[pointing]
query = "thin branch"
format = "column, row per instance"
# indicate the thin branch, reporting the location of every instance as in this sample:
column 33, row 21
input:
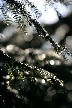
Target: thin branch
column 20, row 8
column 16, row 68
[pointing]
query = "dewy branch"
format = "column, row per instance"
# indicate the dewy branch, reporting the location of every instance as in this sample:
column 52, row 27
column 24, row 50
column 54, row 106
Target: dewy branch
column 20, row 8
column 16, row 68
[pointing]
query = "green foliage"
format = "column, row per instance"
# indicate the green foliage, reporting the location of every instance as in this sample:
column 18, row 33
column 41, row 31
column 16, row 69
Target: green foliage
column 22, row 86
column 19, row 8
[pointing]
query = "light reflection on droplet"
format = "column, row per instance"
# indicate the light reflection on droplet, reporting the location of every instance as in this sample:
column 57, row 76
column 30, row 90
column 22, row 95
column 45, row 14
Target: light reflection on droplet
column 26, row 72
column 62, row 84
column 52, row 62
column 26, row 33
column 43, row 81
column 26, row 51
column 9, row 47
column 41, row 56
column 36, row 79
column 7, row 82
column 28, row 37
column 12, row 77
column 7, row 77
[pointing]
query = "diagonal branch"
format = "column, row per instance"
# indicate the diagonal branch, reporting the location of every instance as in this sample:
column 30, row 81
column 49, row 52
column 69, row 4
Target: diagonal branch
column 20, row 8
column 16, row 68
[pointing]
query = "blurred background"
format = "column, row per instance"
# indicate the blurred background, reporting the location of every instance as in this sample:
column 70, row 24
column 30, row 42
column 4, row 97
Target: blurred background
column 56, row 19
column 26, row 46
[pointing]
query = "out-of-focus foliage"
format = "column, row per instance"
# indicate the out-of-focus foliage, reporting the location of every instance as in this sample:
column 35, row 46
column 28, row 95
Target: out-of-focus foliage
column 32, row 76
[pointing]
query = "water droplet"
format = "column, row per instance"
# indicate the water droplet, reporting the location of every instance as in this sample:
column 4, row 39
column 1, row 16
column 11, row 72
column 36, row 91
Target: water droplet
column 52, row 62
column 7, row 77
column 43, row 81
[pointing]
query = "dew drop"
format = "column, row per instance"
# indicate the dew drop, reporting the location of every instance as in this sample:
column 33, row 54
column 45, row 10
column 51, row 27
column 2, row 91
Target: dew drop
column 52, row 62
column 43, row 81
